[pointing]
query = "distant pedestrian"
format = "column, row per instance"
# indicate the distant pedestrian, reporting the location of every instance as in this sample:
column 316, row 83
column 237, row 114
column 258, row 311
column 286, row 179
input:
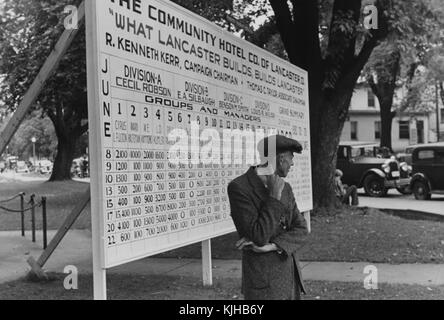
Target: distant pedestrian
column 345, row 193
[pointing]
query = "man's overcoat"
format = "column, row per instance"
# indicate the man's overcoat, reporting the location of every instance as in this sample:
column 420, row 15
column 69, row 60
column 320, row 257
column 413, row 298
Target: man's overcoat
column 263, row 220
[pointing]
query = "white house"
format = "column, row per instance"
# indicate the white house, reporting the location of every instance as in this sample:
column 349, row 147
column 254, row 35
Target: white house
column 434, row 123
column 364, row 122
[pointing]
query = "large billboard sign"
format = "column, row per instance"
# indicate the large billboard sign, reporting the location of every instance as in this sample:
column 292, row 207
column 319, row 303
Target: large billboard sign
column 164, row 82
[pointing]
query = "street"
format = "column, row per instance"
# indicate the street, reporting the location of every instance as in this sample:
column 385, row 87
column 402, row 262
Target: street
column 397, row 201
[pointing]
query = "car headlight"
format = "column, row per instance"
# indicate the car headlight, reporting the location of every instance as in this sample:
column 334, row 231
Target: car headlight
column 386, row 168
column 405, row 167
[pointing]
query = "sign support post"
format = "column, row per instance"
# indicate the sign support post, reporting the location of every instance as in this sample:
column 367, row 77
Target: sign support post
column 99, row 270
column 99, row 282
column 307, row 216
column 207, row 266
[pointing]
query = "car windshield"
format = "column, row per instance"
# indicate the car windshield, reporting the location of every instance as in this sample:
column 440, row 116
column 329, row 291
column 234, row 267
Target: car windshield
column 362, row 152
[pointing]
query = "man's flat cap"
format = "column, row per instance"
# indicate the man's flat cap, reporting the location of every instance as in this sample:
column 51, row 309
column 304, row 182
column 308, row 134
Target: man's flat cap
column 283, row 144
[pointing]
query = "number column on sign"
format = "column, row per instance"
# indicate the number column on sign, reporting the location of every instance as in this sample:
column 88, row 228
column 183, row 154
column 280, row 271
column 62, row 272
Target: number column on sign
column 121, row 173
column 148, row 170
column 135, row 119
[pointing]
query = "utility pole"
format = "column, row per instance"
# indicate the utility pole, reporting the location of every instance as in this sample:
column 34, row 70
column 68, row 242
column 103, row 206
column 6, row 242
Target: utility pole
column 33, row 140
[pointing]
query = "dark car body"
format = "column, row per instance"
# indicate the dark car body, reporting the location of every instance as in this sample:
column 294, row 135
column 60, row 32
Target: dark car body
column 428, row 170
column 406, row 156
column 363, row 168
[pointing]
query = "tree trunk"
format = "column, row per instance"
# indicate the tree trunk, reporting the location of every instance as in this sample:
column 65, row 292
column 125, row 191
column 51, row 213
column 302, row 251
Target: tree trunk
column 386, row 123
column 331, row 119
column 441, row 86
column 384, row 89
column 324, row 166
column 63, row 160
column 68, row 129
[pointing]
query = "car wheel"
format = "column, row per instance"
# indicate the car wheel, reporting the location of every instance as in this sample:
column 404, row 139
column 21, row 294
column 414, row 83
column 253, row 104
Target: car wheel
column 374, row 186
column 404, row 190
column 421, row 191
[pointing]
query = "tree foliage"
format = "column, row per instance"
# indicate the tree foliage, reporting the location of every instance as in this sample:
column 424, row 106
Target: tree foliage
column 395, row 62
column 329, row 40
column 31, row 29
column 40, row 128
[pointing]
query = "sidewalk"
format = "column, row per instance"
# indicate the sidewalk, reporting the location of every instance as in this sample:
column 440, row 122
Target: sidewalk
column 23, row 177
column 396, row 201
column 75, row 250
column 15, row 251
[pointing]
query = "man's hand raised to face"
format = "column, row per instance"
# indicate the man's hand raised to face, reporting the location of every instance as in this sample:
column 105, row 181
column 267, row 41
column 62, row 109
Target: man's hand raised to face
column 276, row 185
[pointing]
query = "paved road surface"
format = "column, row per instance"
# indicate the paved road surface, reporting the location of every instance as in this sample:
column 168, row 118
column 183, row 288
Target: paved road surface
column 395, row 200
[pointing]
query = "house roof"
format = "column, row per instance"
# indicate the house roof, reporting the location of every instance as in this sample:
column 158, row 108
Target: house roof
column 436, row 144
column 377, row 112
column 360, row 112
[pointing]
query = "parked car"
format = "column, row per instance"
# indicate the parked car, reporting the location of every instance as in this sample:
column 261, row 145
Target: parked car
column 363, row 168
column 428, row 170
column 406, row 156
column 382, row 152
column 76, row 171
column 11, row 162
column 2, row 166
column 44, row 166
column 22, row 167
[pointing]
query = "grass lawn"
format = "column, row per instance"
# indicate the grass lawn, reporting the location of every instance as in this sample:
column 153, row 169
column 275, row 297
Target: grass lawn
column 357, row 235
column 61, row 199
column 130, row 287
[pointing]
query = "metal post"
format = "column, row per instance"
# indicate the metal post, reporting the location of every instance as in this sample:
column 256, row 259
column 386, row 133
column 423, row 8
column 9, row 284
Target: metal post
column 307, row 216
column 22, row 209
column 33, row 151
column 207, row 267
column 32, row 202
column 45, row 231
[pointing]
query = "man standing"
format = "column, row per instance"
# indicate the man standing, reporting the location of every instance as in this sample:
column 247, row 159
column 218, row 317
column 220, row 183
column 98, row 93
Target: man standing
column 270, row 226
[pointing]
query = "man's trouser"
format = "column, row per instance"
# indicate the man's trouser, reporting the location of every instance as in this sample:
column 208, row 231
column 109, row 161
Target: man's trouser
column 353, row 193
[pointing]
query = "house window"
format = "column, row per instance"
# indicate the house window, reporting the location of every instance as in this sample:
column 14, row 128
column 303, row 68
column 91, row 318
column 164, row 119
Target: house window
column 354, row 130
column 377, row 129
column 342, row 153
column 371, row 99
column 404, row 130
column 442, row 115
